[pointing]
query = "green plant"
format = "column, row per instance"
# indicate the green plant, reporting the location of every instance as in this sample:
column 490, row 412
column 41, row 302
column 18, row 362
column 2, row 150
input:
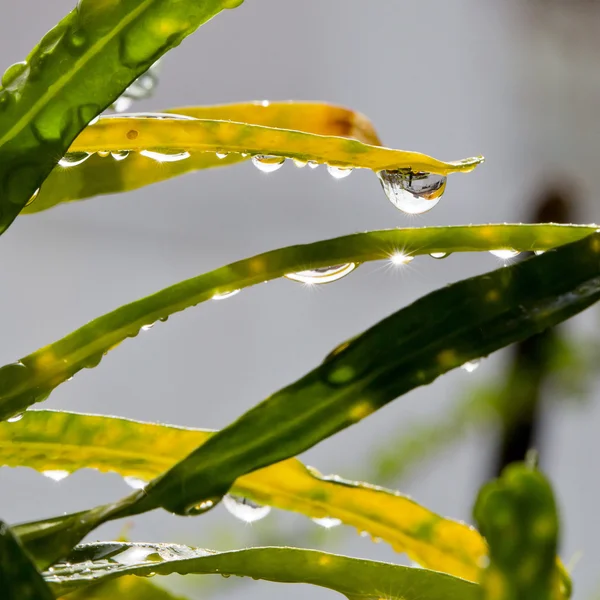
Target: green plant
column 54, row 148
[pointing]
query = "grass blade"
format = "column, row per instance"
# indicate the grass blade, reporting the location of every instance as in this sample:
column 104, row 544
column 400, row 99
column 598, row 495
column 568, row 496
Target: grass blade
column 348, row 576
column 64, row 442
column 105, row 175
column 19, row 579
column 77, row 70
column 33, row 378
column 410, row 348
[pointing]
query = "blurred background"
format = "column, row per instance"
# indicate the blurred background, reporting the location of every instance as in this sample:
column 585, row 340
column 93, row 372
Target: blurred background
column 515, row 80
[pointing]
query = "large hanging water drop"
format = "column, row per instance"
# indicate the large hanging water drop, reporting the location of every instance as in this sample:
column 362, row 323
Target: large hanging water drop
column 440, row 255
column 56, row 475
column 266, row 163
column 322, row 274
column 245, row 509
column 120, row 155
column 328, row 522
column 412, row 193
column 72, row 159
column 166, row 156
column 339, row 172
column 505, row 253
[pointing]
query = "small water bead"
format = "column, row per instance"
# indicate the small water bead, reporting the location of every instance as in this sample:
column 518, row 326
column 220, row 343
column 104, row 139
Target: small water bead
column 33, row 197
column 201, row 507
column 245, row 509
column 322, row 274
column 166, row 156
column 328, row 522
column 412, row 193
column 56, row 475
column 135, row 482
column 222, row 155
column 439, row 255
column 72, row 159
column 120, row 155
column 225, row 295
column 15, row 418
column 470, row 366
column 267, row 163
column 339, row 172
column 312, row 164
column 299, row 163
column 103, row 153
column 539, row 252
column 505, row 253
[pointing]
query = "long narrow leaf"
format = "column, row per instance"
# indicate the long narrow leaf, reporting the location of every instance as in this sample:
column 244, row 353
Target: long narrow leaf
column 410, row 348
column 127, row 171
column 31, row 379
column 59, row 443
column 349, row 576
column 128, row 587
column 77, row 70
column 19, row 579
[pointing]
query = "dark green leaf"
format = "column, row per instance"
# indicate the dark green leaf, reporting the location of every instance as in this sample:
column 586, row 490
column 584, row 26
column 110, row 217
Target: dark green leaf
column 75, row 72
column 19, row 579
column 349, row 576
column 412, row 347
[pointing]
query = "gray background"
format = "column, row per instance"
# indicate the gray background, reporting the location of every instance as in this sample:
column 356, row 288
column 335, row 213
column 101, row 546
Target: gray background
column 451, row 78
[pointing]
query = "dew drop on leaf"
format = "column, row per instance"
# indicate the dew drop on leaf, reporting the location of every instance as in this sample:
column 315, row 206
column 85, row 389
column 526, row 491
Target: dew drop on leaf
column 299, row 163
column 505, row 253
column 440, row 255
column 225, row 295
column 328, row 522
column 221, row 155
column 103, row 153
column 15, row 418
column 33, row 197
column 338, row 172
column 201, row 507
column 470, row 366
column 245, row 509
column 135, row 482
column 56, row 475
column 412, row 193
column 312, row 164
column 539, row 252
column 322, row 274
column 72, row 159
column 173, row 156
column 120, row 155
column 267, row 163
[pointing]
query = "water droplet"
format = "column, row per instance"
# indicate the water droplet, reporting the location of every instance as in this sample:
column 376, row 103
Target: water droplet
column 539, row 252
column 222, row 155
column 267, row 163
column 33, row 197
column 72, row 159
column 150, row 115
column 135, row 482
column 265, row 103
column 412, row 193
column 339, row 172
column 103, row 153
column 505, row 253
column 225, row 295
column 322, row 274
column 120, row 155
column 312, row 164
column 94, row 120
column 299, row 163
column 245, row 509
column 134, row 555
column 201, row 507
column 470, row 366
column 328, row 522
column 399, row 258
column 171, row 156
column 147, row 327
column 15, row 418
column 439, row 255
column 56, row 475
column 122, row 103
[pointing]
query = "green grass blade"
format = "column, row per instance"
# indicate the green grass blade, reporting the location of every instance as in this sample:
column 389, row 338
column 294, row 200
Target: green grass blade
column 51, row 441
column 31, row 379
column 348, row 576
column 128, row 587
column 517, row 514
column 77, row 70
column 410, row 348
column 106, row 175
column 19, row 579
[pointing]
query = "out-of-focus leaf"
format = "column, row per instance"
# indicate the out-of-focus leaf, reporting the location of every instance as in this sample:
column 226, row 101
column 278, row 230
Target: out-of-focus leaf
column 128, row 587
column 517, row 515
column 349, row 576
column 64, row 442
column 19, row 579
column 31, row 379
column 77, row 70
column 128, row 171
column 410, row 348
column 140, row 89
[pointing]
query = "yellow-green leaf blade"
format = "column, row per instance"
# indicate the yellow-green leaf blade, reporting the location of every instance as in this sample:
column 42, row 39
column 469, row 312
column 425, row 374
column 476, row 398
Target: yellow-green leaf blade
column 62, row 441
column 128, row 587
column 106, row 175
column 348, row 576
column 32, row 378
